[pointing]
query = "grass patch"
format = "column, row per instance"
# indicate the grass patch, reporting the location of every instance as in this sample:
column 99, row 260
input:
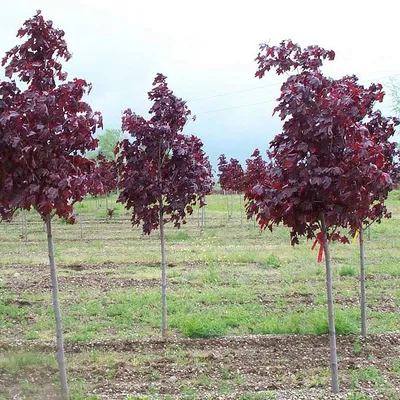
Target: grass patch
column 358, row 396
column 368, row 374
column 179, row 236
column 347, row 270
column 14, row 362
column 257, row 396
column 312, row 322
column 272, row 261
column 203, row 327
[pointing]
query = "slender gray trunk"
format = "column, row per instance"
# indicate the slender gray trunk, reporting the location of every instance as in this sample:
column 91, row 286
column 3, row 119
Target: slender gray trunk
column 227, row 204
column 57, row 312
column 163, row 275
column 241, row 209
column 363, row 299
column 25, row 225
column 331, row 315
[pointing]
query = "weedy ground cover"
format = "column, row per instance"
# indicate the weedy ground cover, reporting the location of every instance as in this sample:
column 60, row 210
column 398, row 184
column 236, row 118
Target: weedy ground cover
column 225, row 278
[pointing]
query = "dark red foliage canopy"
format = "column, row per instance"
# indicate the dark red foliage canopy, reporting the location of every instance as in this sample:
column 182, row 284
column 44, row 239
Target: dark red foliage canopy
column 105, row 174
column 333, row 156
column 256, row 171
column 45, row 129
column 160, row 164
column 230, row 174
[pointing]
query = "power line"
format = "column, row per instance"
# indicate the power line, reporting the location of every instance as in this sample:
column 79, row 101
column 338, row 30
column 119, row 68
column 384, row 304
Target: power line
column 262, row 102
column 267, row 86
column 231, row 108
column 235, row 92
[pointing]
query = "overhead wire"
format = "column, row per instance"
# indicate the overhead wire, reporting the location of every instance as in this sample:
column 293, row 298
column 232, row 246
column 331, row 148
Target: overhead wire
column 235, row 92
column 230, row 108
column 254, row 104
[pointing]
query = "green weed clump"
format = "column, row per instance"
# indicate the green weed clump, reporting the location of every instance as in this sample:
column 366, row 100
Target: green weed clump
column 347, row 270
column 358, row 396
column 27, row 360
column 272, row 261
column 179, row 236
column 257, row 396
column 310, row 323
column 368, row 374
column 201, row 327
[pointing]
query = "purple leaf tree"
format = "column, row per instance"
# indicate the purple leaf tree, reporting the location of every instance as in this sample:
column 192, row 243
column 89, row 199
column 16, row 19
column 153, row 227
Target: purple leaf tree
column 323, row 158
column 230, row 179
column 44, row 132
column 163, row 173
column 105, row 179
column 256, row 171
column 374, row 168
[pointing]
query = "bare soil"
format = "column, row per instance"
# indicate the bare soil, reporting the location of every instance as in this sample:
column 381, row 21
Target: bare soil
column 284, row 365
column 287, row 366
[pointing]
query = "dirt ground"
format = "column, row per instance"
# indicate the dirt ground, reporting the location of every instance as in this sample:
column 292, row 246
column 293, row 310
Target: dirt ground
column 287, row 367
column 243, row 367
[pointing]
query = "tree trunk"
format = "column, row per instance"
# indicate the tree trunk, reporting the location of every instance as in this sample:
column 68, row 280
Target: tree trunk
column 163, row 275
column 24, row 226
column 363, row 301
column 331, row 315
column 227, row 204
column 81, row 226
column 57, row 312
column 241, row 209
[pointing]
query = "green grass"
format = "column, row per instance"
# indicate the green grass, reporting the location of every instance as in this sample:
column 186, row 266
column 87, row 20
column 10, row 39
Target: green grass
column 347, row 270
column 14, row 362
column 358, row 396
column 272, row 261
column 368, row 374
column 257, row 396
column 230, row 279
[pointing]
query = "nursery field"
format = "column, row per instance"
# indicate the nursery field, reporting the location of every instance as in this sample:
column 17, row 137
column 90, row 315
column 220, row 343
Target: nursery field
column 247, row 312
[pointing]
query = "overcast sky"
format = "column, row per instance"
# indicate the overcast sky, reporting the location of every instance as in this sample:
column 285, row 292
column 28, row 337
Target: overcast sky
column 207, row 50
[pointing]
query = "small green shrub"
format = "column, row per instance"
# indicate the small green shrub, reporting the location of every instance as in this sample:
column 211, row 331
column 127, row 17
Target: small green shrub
column 204, row 380
column 354, row 383
column 225, row 373
column 370, row 374
column 396, row 366
column 356, row 347
column 347, row 270
column 272, row 261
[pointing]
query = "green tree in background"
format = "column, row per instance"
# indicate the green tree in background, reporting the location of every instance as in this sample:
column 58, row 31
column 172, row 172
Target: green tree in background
column 394, row 90
column 107, row 141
